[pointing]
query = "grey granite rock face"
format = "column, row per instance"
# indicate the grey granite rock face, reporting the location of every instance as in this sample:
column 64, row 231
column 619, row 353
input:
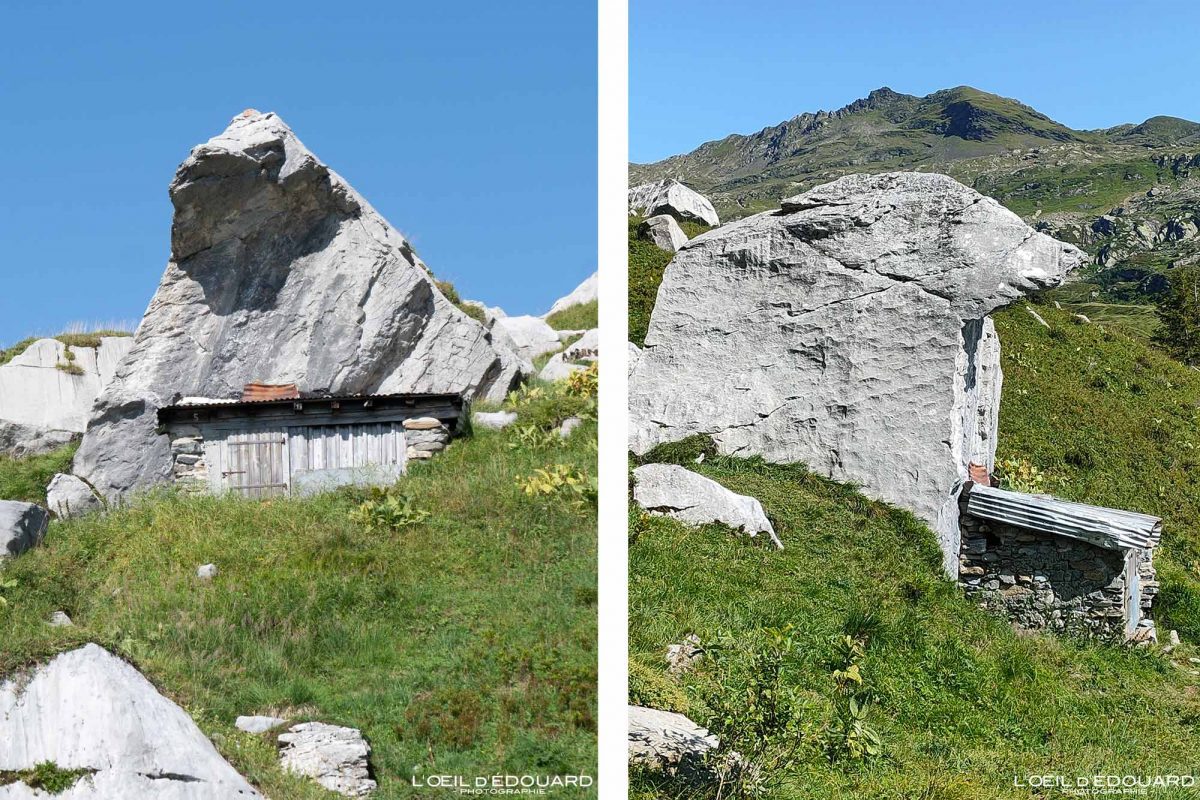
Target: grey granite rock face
column 22, row 526
column 846, row 331
column 333, row 756
column 47, row 392
column 279, row 273
column 663, row 232
column 672, row 197
column 692, row 498
column 88, row 709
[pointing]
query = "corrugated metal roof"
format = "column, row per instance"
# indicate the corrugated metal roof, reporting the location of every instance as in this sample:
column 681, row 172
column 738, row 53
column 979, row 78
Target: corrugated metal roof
column 1103, row 527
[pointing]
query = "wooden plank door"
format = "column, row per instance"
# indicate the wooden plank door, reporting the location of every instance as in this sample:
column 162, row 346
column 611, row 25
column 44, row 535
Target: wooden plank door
column 255, row 464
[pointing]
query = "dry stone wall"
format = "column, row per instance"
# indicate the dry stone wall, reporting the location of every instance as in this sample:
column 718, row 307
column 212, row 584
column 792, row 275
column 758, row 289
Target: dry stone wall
column 1054, row 583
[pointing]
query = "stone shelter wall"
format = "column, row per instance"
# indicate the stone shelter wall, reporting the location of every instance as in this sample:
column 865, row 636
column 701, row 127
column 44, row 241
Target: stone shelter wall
column 1047, row 582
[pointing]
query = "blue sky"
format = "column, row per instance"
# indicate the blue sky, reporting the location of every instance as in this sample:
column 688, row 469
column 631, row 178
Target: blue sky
column 470, row 126
column 700, row 70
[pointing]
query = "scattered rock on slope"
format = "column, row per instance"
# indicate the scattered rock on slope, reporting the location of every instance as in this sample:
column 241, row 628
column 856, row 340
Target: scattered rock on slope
column 668, row 742
column 672, row 197
column 690, row 497
column 527, row 336
column 68, row 496
column 335, row 757
column 47, row 392
column 22, row 526
column 279, row 273
column 663, row 232
column 847, row 331
column 560, row 365
column 89, row 710
column 585, row 292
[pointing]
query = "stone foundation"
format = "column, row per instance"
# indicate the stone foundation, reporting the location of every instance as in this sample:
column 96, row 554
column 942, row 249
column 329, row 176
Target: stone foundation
column 1055, row 583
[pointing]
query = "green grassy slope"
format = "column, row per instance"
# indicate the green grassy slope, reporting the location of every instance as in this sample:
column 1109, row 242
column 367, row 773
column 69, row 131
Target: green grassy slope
column 646, row 266
column 26, row 478
column 582, row 317
column 1113, row 422
column 463, row 644
column 962, row 704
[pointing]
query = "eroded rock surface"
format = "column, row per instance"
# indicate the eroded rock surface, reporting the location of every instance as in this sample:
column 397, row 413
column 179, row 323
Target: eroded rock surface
column 692, row 498
column 47, row 392
column 89, row 710
column 668, row 742
column 333, row 756
column 847, row 331
column 672, row 197
column 279, row 273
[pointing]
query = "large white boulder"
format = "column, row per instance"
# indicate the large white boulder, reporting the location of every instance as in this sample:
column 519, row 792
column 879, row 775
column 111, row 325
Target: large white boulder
column 527, row 336
column 585, row 292
column 280, row 272
column 47, row 392
column 333, row 756
column 22, row 526
column 89, row 710
column 672, row 197
column 847, row 331
column 692, row 498
column 663, row 232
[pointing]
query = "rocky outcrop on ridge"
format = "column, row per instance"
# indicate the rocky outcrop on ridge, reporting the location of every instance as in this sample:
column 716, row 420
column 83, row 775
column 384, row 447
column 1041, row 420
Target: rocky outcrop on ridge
column 585, row 292
column 90, row 711
column 847, row 331
column 692, row 498
column 672, row 197
column 47, row 392
column 279, row 273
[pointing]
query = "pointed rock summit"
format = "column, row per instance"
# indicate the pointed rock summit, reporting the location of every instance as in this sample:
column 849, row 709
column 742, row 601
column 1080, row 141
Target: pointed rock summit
column 280, row 272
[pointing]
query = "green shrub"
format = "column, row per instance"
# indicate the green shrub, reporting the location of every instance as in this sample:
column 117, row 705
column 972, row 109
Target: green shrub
column 470, row 309
column 653, row 688
column 684, row 452
column 388, row 508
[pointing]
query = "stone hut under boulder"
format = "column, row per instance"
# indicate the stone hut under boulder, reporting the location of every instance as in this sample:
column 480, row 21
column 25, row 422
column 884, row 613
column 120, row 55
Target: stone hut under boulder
column 1050, row 564
column 280, row 272
column 304, row 444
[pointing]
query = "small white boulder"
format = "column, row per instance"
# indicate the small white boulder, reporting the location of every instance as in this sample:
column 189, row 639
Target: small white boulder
column 692, row 498
column 206, row 572
column 333, row 756
column 258, row 724
column 493, row 420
